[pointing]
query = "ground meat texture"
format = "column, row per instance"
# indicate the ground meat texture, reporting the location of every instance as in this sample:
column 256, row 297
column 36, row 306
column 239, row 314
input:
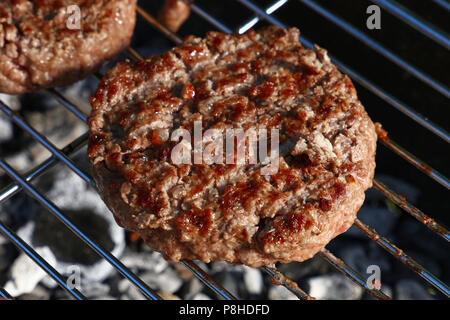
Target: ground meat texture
column 234, row 213
column 41, row 47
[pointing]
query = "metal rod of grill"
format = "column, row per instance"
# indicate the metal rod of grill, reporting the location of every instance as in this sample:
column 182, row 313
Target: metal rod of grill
column 401, row 201
column 419, row 164
column 172, row 36
column 404, row 258
column 415, row 22
column 352, row 274
column 279, row 278
column 434, row 174
column 23, row 246
column 133, row 54
column 147, row 291
column 377, row 47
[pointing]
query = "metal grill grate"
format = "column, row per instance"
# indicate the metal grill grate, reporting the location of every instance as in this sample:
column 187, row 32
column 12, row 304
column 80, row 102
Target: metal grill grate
column 23, row 182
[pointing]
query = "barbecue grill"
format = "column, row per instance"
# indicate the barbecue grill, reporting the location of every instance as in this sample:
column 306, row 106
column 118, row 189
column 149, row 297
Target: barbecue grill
column 22, row 182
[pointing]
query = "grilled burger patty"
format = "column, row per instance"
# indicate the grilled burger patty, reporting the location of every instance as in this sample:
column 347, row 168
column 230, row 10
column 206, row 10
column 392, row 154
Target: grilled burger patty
column 41, row 45
column 263, row 79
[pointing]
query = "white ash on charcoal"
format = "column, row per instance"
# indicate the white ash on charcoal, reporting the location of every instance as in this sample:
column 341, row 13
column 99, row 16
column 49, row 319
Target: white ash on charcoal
column 334, row 287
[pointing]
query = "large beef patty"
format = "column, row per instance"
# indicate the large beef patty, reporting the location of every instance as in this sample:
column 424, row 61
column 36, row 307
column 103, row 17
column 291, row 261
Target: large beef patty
column 233, row 212
column 53, row 43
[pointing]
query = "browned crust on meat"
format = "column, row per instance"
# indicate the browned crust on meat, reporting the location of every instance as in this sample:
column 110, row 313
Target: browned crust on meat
column 231, row 212
column 174, row 13
column 38, row 50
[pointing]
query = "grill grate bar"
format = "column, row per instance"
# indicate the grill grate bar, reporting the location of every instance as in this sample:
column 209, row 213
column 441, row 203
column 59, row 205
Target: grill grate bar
column 415, row 22
column 419, row 164
column 404, row 258
column 44, row 141
column 392, row 145
column 440, row 132
column 377, row 47
column 4, row 295
column 207, row 280
column 14, row 187
column 197, row 271
column 352, row 274
column 400, row 106
column 133, row 54
column 23, row 246
column 412, row 210
column 148, row 292
column 67, row 104
column 150, row 19
column 279, row 278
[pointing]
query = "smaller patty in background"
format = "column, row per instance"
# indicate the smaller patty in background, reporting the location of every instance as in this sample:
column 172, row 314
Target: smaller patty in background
column 46, row 44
